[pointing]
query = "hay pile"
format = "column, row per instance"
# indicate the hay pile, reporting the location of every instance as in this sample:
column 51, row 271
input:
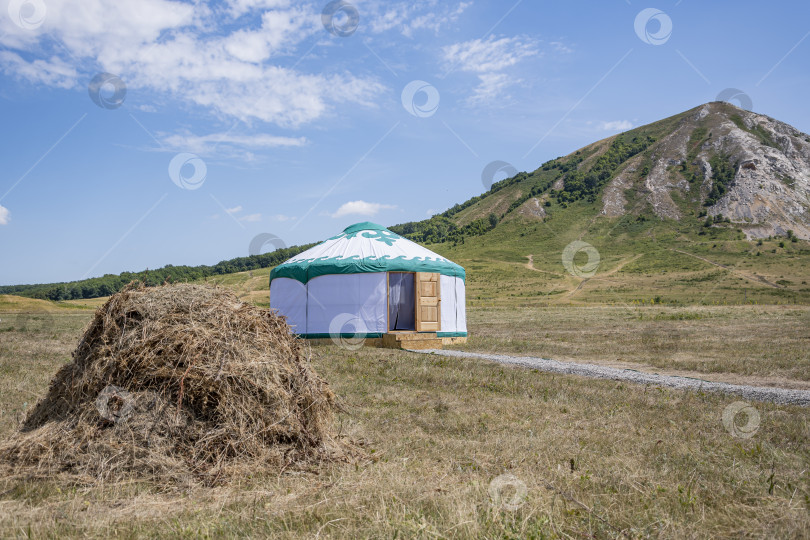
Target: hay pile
column 181, row 382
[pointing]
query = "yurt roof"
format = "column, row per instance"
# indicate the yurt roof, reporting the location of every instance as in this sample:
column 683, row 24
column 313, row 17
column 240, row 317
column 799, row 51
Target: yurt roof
column 362, row 248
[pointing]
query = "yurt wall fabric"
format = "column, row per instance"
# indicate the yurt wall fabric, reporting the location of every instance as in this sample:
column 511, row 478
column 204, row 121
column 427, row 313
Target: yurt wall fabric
column 363, row 296
column 453, row 307
column 289, row 297
column 461, row 307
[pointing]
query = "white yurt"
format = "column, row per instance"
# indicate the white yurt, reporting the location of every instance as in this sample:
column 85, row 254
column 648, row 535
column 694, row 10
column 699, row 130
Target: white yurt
column 368, row 281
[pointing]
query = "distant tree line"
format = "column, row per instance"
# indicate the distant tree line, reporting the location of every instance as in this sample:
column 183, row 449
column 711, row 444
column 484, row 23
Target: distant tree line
column 111, row 284
column 587, row 185
column 537, row 189
column 579, row 184
column 440, row 229
column 496, row 187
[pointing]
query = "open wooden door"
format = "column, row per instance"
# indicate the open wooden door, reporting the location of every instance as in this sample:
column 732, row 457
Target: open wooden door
column 428, row 302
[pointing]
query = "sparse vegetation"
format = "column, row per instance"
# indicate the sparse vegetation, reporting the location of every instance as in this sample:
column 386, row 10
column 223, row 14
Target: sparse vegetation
column 689, row 168
column 787, row 180
column 723, row 173
column 761, row 133
column 587, row 184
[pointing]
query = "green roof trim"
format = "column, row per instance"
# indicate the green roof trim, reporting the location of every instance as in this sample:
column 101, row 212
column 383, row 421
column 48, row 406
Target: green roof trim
column 306, row 269
column 364, row 226
column 371, row 231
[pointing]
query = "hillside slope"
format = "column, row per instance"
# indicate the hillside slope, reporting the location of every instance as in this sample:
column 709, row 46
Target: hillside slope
column 766, row 186
column 713, row 160
column 707, row 206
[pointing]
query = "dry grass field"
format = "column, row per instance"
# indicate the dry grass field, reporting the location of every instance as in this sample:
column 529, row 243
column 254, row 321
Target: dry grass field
column 587, row 458
column 760, row 345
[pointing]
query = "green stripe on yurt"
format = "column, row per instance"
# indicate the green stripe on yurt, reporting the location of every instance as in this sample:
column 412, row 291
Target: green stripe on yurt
column 305, row 270
column 451, row 334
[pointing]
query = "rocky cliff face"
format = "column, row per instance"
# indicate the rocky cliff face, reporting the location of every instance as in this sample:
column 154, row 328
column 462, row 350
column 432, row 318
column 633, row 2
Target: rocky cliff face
column 749, row 167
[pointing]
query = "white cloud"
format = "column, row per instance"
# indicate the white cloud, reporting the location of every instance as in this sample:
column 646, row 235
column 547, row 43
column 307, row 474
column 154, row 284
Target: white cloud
column 5, row 215
column 234, row 210
column 282, row 217
column 617, row 125
column 491, row 86
column 488, row 58
column 251, row 218
column 227, row 143
column 561, row 47
column 51, row 72
column 361, row 208
column 240, row 7
column 191, row 52
column 408, row 17
column 487, row 55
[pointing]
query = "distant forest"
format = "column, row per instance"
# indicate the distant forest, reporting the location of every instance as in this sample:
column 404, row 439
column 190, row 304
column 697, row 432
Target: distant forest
column 441, row 228
column 110, row 284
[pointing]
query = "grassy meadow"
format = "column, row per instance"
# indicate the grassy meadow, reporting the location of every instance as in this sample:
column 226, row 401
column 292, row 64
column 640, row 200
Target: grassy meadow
column 638, row 261
column 461, row 448
column 759, row 345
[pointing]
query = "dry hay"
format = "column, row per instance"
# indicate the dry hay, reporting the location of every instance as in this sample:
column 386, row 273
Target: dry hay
column 180, row 382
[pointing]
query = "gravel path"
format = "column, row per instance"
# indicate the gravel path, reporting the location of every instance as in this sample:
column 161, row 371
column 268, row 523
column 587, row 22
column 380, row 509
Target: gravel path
column 754, row 393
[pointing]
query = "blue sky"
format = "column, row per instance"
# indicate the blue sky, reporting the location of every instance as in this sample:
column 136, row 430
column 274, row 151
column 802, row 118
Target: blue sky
column 214, row 122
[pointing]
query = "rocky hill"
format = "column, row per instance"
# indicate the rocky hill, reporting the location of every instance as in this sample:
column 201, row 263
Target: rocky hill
column 739, row 169
column 767, row 192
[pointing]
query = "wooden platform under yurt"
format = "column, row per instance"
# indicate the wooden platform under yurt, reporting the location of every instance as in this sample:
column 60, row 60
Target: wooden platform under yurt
column 416, row 341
